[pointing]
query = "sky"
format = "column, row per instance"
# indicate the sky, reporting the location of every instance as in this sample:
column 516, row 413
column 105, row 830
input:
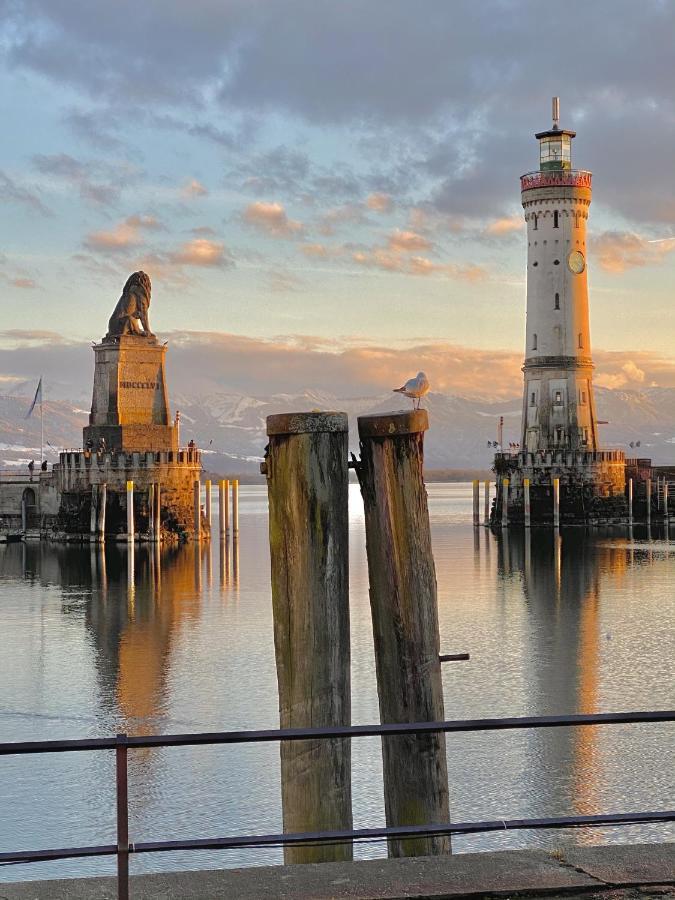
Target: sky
column 328, row 194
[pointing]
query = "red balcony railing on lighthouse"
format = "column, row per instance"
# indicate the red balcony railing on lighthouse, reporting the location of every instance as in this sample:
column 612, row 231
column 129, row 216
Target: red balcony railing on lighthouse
column 551, row 178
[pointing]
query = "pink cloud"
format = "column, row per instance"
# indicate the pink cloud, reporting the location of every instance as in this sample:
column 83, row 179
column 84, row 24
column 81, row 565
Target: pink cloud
column 380, row 203
column 194, row 188
column 271, row 219
column 617, row 251
column 408, row 242
column 201, row 252
column 505, row 226
column 125, row 235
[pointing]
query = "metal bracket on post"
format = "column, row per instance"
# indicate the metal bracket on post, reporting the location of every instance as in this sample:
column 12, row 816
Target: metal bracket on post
column 121, row 781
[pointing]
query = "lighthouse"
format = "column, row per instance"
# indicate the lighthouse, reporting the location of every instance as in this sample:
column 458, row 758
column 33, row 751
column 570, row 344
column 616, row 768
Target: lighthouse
column 559, row 474
column 558, row 402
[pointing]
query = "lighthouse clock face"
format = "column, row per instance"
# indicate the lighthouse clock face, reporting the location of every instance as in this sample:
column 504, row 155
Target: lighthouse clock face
column 576, row 262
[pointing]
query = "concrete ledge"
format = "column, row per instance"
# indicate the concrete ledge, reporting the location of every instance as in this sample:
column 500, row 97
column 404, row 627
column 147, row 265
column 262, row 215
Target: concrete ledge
column 591, row 870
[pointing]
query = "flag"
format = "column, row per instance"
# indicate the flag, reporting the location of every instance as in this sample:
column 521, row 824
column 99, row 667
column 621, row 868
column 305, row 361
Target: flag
column 36, row 399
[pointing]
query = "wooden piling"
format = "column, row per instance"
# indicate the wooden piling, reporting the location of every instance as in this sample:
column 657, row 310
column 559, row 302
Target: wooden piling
column 486, row 520
column 307, row 479
column 130, row 510
column 157, row 512
column 151, row 512
column 235, row 507
column 556, row 503
column 207, row 505
column 476, row 503
column 197, row 509
column 526, row 494
column 223, row 507
column 505, row 503
column 630, row 501
column 405, row 623
column 648, row 491
column 94, row 513
column 102, row 503
column 666, row 513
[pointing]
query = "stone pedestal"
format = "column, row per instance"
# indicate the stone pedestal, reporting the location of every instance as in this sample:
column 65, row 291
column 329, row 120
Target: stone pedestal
column 130, row 407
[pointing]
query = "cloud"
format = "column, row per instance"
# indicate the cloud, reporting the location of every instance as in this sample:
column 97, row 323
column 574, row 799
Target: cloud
column 271, row 219
column 194, row 188
column 124, row 236
column 381, row 203
column 332, row 220
column 28, row 283
column 98, row 182
column 408, row 241
column 201, row 252
column 617, row 251
column 506, row 225
column 320, row 251
column 11, row 192
column 628, row 373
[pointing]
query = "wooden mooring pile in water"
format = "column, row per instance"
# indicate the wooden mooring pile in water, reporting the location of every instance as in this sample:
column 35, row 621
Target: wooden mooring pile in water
column 308, row 476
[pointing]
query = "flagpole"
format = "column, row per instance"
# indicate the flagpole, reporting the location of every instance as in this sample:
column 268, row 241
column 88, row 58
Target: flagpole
column 42, row 427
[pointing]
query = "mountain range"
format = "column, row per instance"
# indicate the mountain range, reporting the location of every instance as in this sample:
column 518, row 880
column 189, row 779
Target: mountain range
column 230, row 426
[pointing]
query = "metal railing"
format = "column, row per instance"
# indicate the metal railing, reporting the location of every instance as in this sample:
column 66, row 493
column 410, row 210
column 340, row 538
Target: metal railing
column 122, row 743
column 556, row 178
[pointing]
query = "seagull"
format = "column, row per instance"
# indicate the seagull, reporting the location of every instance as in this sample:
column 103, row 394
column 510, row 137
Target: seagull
column 415, row 388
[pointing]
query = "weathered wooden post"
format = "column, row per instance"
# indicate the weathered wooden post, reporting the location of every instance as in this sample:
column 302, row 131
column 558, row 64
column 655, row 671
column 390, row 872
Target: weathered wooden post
column 630, row 501
column 102, row 502
column 235, row 507
column 207, row 505
column 151, row 512
column 130, row 510
column 307, row 481
column 197, row 509
column 666, row 512
column 157, row 512
column 95, row 513
column 223, row 508
column 505, row 503
column 476, row 503
column 405, row 623
column 526, row 494
column 556, row 503
column 648, row 491
column 487, row 504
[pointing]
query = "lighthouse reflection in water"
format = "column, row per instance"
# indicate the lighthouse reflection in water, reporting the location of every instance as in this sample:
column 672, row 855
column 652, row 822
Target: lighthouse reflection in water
column 95, row 642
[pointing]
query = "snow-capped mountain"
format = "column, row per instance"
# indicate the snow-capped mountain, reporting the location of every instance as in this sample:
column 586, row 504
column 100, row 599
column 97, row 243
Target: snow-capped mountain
column 231, row 426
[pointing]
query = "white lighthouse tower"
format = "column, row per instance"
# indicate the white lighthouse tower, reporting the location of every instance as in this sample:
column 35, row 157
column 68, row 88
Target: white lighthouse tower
column 559, row 455
column 558, row 402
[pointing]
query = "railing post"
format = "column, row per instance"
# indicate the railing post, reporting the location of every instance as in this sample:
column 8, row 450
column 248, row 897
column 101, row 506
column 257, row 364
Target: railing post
column 487, row 504
column 121, row 779
column 130, row 511
column 648, row 490
column 207, row 504
column 505, row 503
column 630, row 501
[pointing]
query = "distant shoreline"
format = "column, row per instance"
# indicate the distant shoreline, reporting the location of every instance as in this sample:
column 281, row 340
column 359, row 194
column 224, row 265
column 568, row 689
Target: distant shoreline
column 438, row 476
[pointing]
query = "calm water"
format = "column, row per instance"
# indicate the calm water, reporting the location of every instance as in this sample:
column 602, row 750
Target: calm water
column 182, row 641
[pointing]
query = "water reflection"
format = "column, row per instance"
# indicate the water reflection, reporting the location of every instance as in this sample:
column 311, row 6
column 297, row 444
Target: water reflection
column 100, row 639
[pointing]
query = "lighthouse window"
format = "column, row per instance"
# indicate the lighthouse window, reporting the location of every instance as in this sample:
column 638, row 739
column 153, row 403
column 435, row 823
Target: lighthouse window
column 557, row 301
column 582, row 397
column 581, row 341
column 556, row 262
column 558, row 397
column 559, row 434
column 534, row 341
column 555, row 219
column 533, row 399
column 534, row 220
column 585, row 435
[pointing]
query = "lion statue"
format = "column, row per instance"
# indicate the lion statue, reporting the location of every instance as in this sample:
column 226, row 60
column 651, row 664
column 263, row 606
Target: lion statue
column 132, row 308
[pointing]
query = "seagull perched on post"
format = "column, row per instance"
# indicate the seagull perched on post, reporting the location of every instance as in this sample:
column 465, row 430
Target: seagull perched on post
column 415, row 388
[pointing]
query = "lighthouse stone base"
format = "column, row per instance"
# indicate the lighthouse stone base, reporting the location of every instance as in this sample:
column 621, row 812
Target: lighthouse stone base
column 592, row 487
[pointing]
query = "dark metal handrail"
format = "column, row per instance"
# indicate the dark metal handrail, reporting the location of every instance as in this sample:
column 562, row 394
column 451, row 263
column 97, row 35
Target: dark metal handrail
column 122, row 743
